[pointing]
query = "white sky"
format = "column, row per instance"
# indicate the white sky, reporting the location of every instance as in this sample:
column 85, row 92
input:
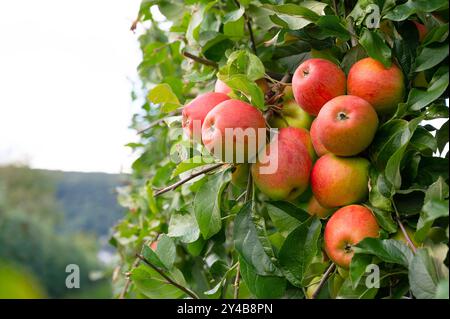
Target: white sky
column 66, row 72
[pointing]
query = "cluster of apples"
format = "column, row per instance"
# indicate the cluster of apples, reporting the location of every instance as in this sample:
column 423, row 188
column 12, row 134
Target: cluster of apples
column 326, row 121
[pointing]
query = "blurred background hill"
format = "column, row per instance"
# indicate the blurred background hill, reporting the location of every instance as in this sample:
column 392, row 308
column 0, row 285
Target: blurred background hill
column 49, row 219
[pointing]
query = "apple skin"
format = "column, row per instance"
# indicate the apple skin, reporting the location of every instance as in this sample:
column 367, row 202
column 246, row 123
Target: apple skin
column 154, row 245
column 317, row 144
column 239, row 175
column 346, row 125
column 315, row 209
column 197, row 109
column 291, row 177
column 382, row 87
column 347, row 227
column 291, row 115
column 315, row 82
column 421, row 29
column 233, row 114
column 221, row 87
column 338, row 181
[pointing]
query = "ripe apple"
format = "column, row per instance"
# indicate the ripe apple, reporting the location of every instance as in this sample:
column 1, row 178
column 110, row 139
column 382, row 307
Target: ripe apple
column 382, row 87
column 291, row 115
column 318, row 145
column 346, row 228
column 239, row 175
column 346, row 125
column 154, row 245
column 338, row 181
column 221, row 86
column 234, row 131
column 292, row 165
column 314, row 208
column 315, row 82
column 196, row 110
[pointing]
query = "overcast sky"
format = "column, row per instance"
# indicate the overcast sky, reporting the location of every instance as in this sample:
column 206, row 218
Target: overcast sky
column 66, row 72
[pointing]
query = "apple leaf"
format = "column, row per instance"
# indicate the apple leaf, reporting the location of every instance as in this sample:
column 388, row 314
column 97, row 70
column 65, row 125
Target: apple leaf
column 299, row 249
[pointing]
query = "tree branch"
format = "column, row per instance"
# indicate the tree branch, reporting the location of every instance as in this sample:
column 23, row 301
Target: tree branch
column 184, row 180
column 167, row 278
column 323, row 280
column 200, row 60
column 128, row 280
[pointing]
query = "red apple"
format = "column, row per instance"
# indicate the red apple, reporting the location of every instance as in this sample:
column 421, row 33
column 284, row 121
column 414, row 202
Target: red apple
column 292, row 165
column 234, row 131
column 346, row 125
column 338, row 181
column 315, row 82
column 346, row 228
column 382, row 87
column 194, row 113
column 318, row 145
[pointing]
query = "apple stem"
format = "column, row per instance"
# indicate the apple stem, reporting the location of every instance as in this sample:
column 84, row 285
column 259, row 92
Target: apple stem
column 167, row 278
column 184, row 180
column 200, row 60
column 322, row 282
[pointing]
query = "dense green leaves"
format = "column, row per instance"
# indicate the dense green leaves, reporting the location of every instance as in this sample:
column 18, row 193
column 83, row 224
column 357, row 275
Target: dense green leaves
column 211, row 225
column 249, row 244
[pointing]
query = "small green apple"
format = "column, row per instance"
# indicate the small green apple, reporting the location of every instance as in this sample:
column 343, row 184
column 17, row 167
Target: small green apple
column 291, row 115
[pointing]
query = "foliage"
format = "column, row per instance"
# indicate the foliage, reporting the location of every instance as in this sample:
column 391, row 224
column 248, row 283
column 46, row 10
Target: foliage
column 276, row 246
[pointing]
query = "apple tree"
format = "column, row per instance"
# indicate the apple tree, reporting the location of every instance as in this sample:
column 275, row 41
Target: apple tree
column 191, row 232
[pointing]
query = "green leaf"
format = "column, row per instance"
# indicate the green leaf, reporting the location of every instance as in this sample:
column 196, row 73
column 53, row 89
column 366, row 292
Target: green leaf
column 163, row 95
column 286, row 216
column 388, row 250
column 295, row 16
column 234, row 16
column 242, row 62
column 384, row 219
column 430, row 57
column 266, row 287
column 150, row 283
column 234, row 30
column 152, row 257
column 423, row 141
column 417, row 99
column 403, row 11
column 437, row 34
column 352, row 56
column 207, row 204
column 442, row 290
column 435, row 206
column 358, row 268
column 425, row 274
column 392, row 170
column 442, row 136
column 360, row 292
column 189, row 164
column 183, row 226
column 248, row 243
column 249, row 89
column 166, row 251
column 331, row 26
column 376, row 47
column 299, row 249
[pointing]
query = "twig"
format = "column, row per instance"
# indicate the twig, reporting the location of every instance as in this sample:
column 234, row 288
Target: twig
column 128, row 280
column 167, row 278
column 182, row 181
column 323, row 280
column 249, row 28
column 237, row 281
column 135, row 22
column 400, row 224
column 158, row 121
column 200, row 60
